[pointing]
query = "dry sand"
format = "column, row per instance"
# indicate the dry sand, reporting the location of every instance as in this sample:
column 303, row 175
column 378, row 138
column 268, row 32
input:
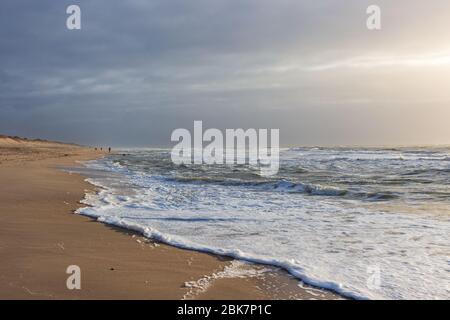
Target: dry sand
column 40, row 237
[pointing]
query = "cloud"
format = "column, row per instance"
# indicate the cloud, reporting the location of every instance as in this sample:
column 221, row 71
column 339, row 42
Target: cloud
column 138, row 69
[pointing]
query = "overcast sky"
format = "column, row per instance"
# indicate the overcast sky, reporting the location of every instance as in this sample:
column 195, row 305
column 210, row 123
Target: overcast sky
column 139, row 69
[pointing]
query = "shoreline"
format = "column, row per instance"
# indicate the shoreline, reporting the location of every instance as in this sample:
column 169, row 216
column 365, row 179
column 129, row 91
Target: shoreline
column 41, row 236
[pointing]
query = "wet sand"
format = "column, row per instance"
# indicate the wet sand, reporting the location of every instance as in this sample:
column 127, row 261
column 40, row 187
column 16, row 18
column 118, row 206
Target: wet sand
column 40, row 237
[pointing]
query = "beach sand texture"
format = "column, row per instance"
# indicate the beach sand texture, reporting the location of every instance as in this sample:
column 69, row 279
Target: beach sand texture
column 40, row 237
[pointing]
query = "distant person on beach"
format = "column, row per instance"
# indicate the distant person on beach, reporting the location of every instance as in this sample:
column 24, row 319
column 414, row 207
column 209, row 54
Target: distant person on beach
column 109, row 149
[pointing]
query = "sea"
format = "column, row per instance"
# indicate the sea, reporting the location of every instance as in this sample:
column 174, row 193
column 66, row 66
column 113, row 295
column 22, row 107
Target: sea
column 367, row 223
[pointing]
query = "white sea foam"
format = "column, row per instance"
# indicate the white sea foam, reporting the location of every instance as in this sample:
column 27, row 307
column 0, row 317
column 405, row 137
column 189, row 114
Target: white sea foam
column 180, row 242
column 236, row 269
column 326, row 239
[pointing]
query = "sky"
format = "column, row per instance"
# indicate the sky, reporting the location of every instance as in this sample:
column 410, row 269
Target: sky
column 138, row 69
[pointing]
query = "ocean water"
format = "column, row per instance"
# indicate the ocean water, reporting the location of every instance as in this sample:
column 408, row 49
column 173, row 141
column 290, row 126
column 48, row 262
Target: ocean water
column 366, row 223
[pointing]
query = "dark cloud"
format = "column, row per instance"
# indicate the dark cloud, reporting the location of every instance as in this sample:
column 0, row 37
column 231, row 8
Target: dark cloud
column 138, row 69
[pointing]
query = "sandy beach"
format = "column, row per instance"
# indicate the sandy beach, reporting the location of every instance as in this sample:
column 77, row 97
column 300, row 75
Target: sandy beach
column 40, row 237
